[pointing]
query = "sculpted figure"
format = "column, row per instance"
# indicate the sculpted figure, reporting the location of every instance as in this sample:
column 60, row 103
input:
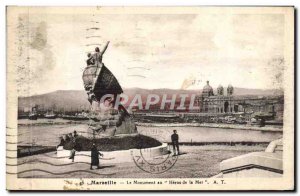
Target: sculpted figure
column 98, row 55
column 90, row 61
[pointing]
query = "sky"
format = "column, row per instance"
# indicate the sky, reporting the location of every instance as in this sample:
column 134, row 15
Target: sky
column 151, row 50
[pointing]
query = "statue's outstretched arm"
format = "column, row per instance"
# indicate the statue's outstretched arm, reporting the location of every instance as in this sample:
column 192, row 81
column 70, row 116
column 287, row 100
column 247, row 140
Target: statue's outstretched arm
column 105, row 47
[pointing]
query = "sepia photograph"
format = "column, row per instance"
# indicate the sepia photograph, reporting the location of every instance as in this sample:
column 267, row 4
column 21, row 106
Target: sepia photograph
column 150, row 98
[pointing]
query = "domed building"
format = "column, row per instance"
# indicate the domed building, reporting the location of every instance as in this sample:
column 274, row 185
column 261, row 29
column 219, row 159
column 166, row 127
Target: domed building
column 221, row 104
column 220, row 90
column 207, row 90
column 229, row 90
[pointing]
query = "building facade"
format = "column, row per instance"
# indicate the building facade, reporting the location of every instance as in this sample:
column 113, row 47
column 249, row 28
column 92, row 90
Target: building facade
column 221, row 103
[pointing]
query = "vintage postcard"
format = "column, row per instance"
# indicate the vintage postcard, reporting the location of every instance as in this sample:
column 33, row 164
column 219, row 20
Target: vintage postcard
column 150, row 98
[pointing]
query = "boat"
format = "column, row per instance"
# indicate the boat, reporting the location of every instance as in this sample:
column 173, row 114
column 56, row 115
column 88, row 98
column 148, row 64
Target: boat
column 75, row 117
column 161, row 118
column 22, row 116
column 33, row 115
column 162, row 115
column 100, row 81
column 263, row 115
column 274, row 122
column 50, row 115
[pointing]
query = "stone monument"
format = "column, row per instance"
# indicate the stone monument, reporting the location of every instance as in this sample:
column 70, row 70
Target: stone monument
column 111, row 127
column 108, row 117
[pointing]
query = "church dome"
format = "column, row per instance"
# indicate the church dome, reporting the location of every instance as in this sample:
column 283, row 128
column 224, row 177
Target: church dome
column 220, row 90
column 229, row 89
column 207, row 90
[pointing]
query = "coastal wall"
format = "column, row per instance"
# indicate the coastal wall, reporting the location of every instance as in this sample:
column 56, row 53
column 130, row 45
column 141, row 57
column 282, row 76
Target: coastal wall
column 214, row 125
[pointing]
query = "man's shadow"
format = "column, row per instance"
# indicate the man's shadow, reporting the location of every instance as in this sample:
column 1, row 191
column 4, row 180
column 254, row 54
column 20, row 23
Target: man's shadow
column 106, row 166
column 181, row 153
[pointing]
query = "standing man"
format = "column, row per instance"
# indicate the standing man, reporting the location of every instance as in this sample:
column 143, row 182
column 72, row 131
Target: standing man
column 72, row 153
column 95, row 157
column 62, row 142
column 175, row 139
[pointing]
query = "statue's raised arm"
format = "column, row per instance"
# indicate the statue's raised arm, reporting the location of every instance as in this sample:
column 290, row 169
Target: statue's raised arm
column 98, row 55
column 105, row 47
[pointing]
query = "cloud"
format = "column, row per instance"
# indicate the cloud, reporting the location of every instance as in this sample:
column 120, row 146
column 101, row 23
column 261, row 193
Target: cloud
column 222, row 48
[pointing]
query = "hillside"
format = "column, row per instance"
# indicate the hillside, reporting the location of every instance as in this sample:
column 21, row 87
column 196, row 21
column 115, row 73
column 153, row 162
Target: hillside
column 77, row 99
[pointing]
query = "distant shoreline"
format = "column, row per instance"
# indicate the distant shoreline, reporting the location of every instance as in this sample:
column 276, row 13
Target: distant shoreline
column 209, row 125
column 213, row 125
column 51, row 122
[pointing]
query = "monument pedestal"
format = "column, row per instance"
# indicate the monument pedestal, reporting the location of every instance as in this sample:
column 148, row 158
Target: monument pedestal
column 118, row 156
